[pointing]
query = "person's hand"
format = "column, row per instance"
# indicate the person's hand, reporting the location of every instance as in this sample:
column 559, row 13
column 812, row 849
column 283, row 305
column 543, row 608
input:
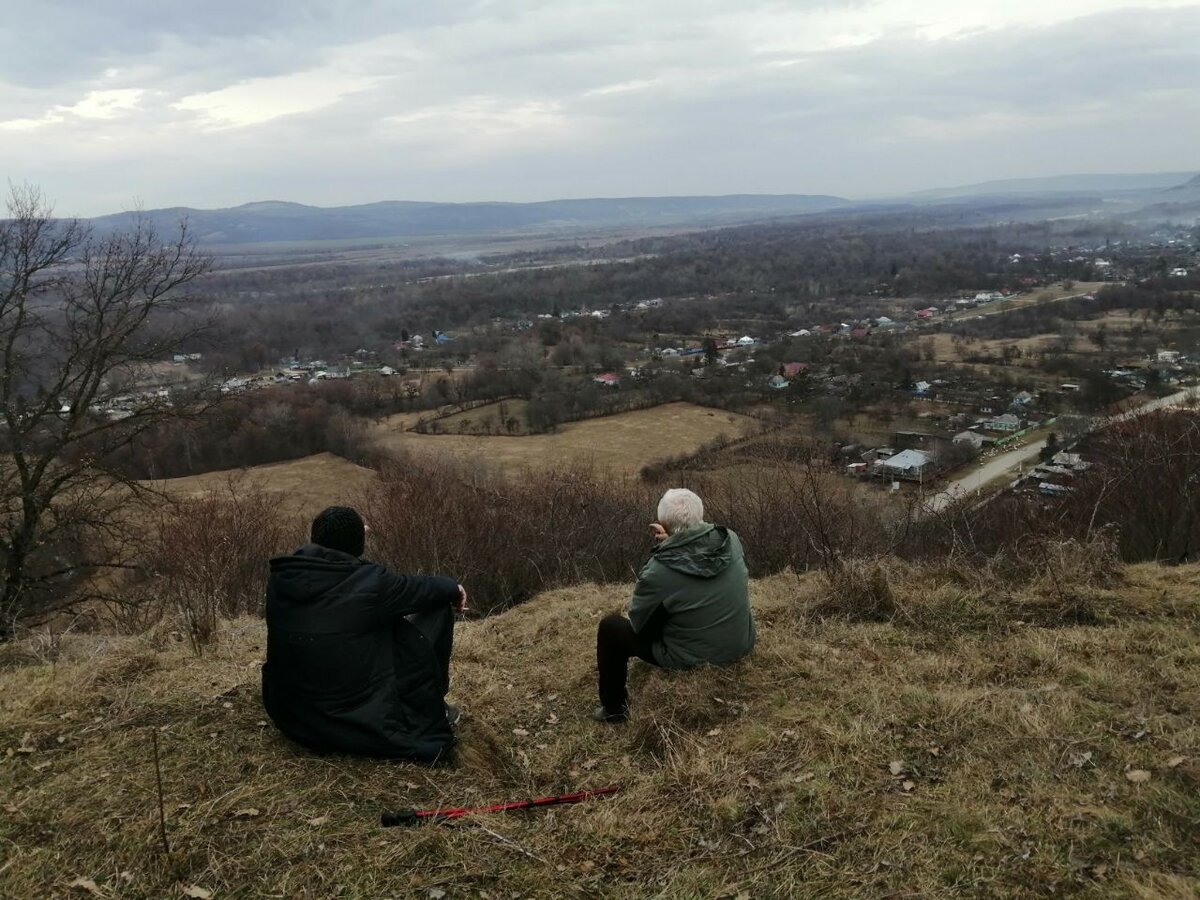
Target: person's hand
column 462, row 600
column 658, row 533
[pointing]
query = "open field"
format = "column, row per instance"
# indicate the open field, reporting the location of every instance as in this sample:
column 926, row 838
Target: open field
column 622, row 443
column 492, row 417
column 984, row 743
column 304, row 486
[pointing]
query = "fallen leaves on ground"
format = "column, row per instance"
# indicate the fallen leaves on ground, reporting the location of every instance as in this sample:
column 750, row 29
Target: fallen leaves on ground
column 196, row 892
column 248, row 813
column 1138, row 776
column 85, row 884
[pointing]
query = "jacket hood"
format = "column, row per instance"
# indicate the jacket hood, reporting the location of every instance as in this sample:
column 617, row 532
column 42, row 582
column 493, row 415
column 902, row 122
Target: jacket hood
column 311, row 570
column 704, row 552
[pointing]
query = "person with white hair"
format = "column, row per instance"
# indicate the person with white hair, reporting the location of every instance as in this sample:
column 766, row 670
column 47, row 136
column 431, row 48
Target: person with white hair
column 690, row 607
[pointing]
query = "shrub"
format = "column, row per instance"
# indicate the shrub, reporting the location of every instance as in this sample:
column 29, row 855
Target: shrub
column 207, row 557
column 857, row 590
column 508, row 539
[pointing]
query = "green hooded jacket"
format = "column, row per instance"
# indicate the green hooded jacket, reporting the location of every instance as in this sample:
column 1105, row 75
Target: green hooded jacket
column 695, row 588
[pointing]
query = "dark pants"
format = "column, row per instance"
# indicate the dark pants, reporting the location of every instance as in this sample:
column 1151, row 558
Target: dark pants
column 438, row 627
column 616, row 644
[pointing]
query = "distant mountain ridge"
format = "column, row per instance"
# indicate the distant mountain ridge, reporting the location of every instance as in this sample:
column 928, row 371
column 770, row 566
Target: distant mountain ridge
column 1072, row 184
column 1190, row 185
column 278, row 221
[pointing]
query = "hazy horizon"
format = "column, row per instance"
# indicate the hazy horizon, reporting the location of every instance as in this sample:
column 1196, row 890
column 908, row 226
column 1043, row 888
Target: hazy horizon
column 124, row 102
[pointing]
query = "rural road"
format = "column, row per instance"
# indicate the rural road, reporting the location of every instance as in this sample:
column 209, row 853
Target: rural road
column 1006, row 462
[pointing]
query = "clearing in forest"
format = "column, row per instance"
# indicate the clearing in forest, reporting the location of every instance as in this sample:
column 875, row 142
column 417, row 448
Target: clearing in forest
column 620, row 443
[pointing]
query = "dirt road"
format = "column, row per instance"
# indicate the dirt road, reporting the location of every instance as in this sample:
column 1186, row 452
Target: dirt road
column 974, row 482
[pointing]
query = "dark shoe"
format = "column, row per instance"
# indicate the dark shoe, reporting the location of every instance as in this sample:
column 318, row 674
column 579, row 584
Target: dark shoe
column 453, row 715
column 601, row 714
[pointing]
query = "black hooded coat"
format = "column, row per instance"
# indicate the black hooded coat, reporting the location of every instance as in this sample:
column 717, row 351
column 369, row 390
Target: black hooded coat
column 345, row 671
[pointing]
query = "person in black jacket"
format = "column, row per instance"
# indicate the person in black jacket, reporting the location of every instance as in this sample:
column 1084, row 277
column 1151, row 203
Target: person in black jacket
column 358, row 657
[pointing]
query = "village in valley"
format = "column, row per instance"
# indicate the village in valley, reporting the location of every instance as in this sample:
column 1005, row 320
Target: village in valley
column 904, row 390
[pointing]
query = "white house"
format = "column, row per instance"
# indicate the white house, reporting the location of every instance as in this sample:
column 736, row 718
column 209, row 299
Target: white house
column 912, row 465
column 1006, row 422
column 973, row 439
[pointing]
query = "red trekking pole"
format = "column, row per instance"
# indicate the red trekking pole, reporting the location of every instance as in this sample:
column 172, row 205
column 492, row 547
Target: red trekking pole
column 419, row 816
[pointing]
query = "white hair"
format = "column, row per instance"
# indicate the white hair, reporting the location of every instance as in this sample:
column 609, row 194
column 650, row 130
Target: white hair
column 680, row 508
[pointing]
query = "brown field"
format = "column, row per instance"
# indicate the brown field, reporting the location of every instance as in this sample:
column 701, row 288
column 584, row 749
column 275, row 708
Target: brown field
column 947, row 351
column 622, row 443
column 304, row 486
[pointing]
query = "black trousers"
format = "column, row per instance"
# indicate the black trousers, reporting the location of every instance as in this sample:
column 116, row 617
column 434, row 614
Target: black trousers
column 438, row 627
column 616, row 644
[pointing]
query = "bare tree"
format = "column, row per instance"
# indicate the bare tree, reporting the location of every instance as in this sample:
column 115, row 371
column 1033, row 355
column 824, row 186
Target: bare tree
column 82, row 318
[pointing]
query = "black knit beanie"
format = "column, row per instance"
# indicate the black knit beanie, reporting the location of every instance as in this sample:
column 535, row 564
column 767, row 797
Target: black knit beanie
column 340, row 528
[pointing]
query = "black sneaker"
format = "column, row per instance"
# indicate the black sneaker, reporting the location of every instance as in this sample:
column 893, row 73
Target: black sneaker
column 453, row 715
column 601, row 714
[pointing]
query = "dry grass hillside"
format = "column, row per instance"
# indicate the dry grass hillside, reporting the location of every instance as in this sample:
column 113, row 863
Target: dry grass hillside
column 303, row 486
column 980, row 741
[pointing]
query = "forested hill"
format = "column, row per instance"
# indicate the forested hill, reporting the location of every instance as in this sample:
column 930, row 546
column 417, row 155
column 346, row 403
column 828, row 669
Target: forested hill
column 280, row 221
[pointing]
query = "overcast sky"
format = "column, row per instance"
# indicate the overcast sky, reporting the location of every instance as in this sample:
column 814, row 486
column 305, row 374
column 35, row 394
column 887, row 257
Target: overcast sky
column 107, row 103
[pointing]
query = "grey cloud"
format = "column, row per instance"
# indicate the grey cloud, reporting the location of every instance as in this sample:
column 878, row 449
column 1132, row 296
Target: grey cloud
column 699, row 111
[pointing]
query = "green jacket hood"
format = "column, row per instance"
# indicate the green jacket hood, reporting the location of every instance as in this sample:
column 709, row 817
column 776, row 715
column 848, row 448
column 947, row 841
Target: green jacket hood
column 704, row 551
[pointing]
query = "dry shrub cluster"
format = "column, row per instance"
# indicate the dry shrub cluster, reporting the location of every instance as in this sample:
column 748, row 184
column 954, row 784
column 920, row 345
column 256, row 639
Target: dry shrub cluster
column 507, row 539
column 858, row 590
column 510, row 538
column 1142, row 491
column 802, row 516
column 1050, row 583
column 205, row 560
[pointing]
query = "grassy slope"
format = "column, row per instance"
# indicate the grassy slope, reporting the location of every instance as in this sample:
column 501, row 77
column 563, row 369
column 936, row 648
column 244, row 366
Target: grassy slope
column 620, row 443
column 304, row 486
column 771, row 778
